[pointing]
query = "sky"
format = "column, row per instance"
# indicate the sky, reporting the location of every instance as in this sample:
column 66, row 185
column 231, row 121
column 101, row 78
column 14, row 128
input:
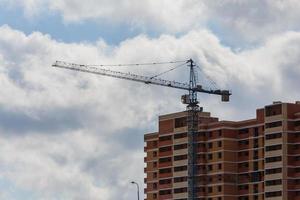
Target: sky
column 68, row 135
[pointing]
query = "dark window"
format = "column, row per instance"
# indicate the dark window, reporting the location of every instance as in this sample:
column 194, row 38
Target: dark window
column 255, row 131
column 165, row 192
column 181, row 168
column 243, row 187
column 180, row 179
column 180, row 135
column 243, row 142
column 273, row 171
column 273, row 110
column 273, row 136
column 297, row 123
column 164, row 149
column 273, row 159
column 219, row 133
column 244, row 131
column 181, row 157
column 274, row 182
column 180, row 190
column 165, row 171
column 219, row 154
column 165, row 181
column 219, row 188
column 209, row 145
column 164, row 160
column 180, row 146
column 274, row 147
column 209, row 156
column 219, row 166
column 219, row 143
column 180, row 122
column 165, row 138
column 274, row 124
column 273, row 194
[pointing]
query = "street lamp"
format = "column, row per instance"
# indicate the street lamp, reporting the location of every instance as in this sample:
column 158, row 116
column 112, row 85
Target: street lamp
column 138, row 189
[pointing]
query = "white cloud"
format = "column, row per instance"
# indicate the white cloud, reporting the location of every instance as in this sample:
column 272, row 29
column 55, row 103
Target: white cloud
column 80, row 135
column 234, row 20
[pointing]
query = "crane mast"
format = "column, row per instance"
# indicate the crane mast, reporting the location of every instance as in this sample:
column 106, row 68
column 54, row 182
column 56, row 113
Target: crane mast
column 189, row 99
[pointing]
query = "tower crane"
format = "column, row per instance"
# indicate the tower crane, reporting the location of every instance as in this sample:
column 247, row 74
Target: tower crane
column 189, row 99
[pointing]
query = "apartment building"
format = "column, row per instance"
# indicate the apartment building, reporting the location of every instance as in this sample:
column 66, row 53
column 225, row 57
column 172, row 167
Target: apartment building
column 253, row 159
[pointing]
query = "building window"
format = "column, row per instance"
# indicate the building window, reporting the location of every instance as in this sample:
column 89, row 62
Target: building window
column 274, row 124
column 209, row 145
column 165, row 149
column 244, row 131
column 219, row 154
column 219, row 166
column 243, row 142
column 165, row 181
column 180, row 190
column 180, row 135
column 220, row 133
column 273, row 194
column 274, row 182
column 243, row 187
column 255, row 132
column 210, row 190
column 274, row 171
column 154, row 196
column 180, row 179
column 165, row 171
column 273, row 110
column 180, row 146
column 219, row 188
column 181, row 168
column 180, row 122
column 181, row 157
column 274, row 147
column 209, row 156
column 209, row 167
column 164, row 160
column 165, row 138
column 219, row 143
column 165, row 192
column 273, row 159
column 273, row 136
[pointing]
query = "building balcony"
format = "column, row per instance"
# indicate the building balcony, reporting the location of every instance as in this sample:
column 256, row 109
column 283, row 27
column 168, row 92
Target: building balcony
column 181, row 140
column 180, row 163
column 273, row 188
column 180, row 195
column 180, row 184
column 273, row 153
column 273, row 118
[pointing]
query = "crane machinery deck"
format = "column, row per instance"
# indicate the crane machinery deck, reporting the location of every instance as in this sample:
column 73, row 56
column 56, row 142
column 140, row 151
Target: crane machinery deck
column 189, row 99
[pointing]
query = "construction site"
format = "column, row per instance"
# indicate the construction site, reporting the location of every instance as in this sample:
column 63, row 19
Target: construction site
column 196, row 156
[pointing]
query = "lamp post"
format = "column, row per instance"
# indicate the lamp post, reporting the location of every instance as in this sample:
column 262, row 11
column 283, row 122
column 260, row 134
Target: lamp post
column 138, row 189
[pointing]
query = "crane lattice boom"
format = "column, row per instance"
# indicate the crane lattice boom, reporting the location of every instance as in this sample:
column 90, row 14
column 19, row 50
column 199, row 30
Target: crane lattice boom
column 138, row 78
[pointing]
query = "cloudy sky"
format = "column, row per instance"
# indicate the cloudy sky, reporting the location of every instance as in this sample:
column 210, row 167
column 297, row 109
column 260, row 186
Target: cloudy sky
column 67, row 135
